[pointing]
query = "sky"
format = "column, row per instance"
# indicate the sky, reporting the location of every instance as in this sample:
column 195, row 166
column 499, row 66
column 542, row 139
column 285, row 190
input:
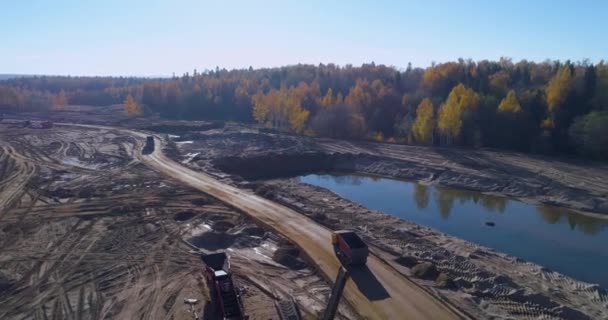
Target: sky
column 157, row 38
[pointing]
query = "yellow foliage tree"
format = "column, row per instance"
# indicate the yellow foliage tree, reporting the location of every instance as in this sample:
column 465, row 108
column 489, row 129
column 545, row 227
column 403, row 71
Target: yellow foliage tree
column 328, row 99
column 130, row 106
column 452, row 111
column 359, row 95
column 510, row 103
column 425, row 123
column 558, row 88
column 260, row 108
column 280, row 109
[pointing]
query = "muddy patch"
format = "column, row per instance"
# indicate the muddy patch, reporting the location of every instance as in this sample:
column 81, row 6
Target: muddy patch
column 213, row 240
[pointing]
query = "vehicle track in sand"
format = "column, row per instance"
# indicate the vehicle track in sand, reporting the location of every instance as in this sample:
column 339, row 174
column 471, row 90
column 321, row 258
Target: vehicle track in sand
column 376, row 292
column 12, row 187
column 64, row 255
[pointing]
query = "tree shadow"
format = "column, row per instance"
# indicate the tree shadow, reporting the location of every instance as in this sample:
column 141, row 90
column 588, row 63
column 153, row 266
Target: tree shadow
column 367, row 283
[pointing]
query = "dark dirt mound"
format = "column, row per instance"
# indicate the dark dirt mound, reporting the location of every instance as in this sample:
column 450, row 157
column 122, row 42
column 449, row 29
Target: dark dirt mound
column 288, row 255
column 407, row 261
column 444, row 281
column 184, row 215
column 425, row 270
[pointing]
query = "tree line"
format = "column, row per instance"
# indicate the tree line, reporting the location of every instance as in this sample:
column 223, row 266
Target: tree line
column 546, row 107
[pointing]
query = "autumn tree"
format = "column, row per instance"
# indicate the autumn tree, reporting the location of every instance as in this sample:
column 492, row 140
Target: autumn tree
column 359, row 96
column 461, row 102
column 328, row 99
column 510, row 103
column 438, row 79
column 424, row 125
column 280, row 109
column 130, row 106
column 556, row 93
column 367, row 101
column 510, row 115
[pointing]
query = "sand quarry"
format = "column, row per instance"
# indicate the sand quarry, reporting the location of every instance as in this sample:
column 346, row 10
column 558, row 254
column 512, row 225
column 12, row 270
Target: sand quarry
column 89, row 231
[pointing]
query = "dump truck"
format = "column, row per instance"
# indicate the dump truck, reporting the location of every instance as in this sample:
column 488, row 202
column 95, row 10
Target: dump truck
column 349, row 248
column 224, row 296
column 149, row 146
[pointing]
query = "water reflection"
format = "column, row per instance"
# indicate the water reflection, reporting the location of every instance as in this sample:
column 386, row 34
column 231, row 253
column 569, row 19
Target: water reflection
column 587, row 225
column 421, row 196
column 350, row 180
column 445, row 198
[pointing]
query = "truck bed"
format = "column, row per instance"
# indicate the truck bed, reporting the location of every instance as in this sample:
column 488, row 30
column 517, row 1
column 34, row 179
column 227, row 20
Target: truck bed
column 353, row 241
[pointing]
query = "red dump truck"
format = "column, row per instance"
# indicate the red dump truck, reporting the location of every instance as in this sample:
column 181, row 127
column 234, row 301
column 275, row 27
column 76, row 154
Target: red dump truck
column 349, row 248
column 224, row 297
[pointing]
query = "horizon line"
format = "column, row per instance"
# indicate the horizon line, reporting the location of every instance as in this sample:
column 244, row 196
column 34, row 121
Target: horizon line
column 208, row 70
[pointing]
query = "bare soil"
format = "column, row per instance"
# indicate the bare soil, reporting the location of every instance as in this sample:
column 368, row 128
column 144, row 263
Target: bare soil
column 89, row 232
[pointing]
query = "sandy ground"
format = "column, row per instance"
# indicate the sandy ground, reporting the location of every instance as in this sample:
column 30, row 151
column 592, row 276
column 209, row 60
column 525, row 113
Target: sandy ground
column 89, row 232
column 485, row 283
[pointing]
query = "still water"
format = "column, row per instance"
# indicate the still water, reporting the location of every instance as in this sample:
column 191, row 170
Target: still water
column 564, row 241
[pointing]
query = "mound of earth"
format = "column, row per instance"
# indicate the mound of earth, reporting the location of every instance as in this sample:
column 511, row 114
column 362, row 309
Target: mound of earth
column 425, row 270
column 288, row 255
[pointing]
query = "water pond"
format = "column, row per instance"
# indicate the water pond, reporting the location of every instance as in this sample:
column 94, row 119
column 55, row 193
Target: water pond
column 562, row 240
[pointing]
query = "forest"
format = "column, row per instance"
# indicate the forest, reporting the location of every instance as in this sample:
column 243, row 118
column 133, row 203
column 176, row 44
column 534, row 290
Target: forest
column 549, row 107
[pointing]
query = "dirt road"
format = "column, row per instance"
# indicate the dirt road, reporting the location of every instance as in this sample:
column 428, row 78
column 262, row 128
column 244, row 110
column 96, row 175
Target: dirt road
column 377, row 292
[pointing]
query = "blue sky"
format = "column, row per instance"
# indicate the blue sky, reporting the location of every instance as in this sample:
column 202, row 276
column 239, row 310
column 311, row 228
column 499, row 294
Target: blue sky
column 113, row 37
